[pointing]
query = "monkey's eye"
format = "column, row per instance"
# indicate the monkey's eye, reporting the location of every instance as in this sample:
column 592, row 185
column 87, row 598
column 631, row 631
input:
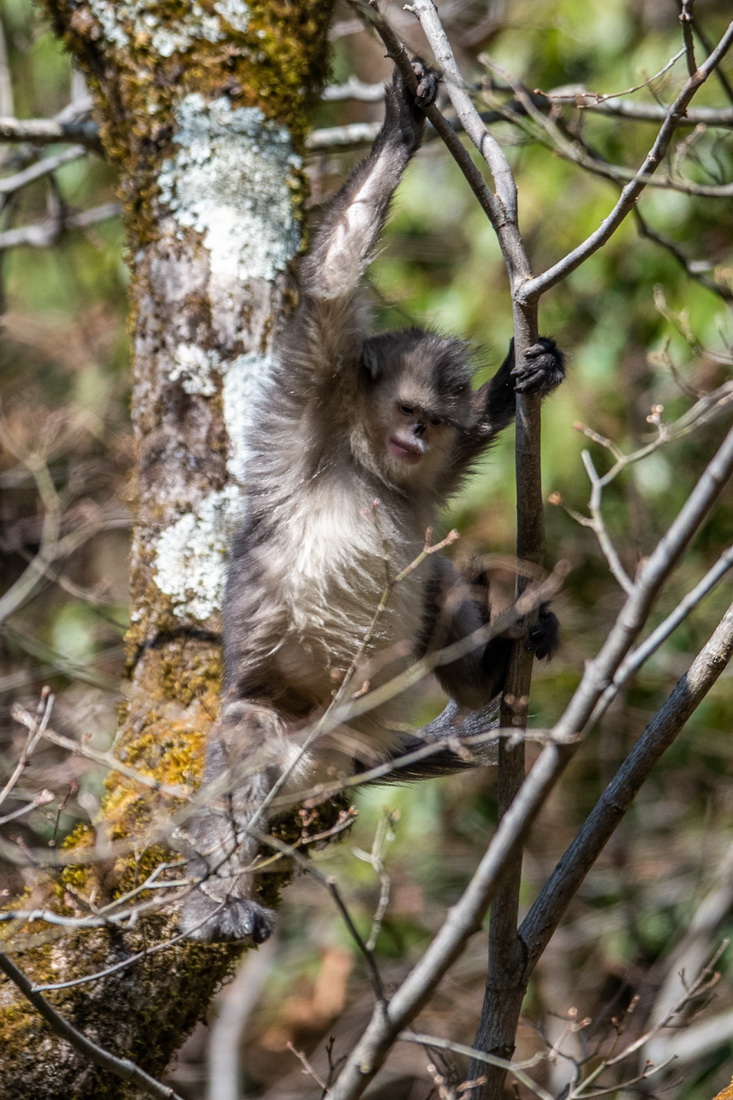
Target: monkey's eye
column 407, row 410
column 436, row 421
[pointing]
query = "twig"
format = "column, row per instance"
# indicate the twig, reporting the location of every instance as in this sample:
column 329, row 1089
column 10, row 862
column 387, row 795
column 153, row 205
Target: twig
column 308, row 1068
column 120, row 1067
column 481, row 1056
column 46, row 131
column 36, row 727
column 655, row 112
column 630, row 193
column 599, row 527
column 694, row 270
column 546, row 912
column 397, row 52
column 354, row 89
column 228, row 1028
column 40, row 168
column 687, row 22
column 638, row 656
column 648, row 583
column 106, row 759
column 47, row 233
column 382, row 838
column 584, row 97
column 41, row 799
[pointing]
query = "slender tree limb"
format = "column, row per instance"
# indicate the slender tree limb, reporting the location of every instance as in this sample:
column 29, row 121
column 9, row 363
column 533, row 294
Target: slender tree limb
column 363, row 133
column 497, row 1029
column 686, row 19
column 119, row 1067
column 399, row 55
column 50, row 131
column 354, row 89
column 545, row 914
column 583, row 708
column 47, row 233
column 652, row 112
column 40, row 168
column 700, row 274
column 637, row 657
column 504, row 183
column 227, row 1031
column 485, row 1059
column 568, row 145
column 630, row 193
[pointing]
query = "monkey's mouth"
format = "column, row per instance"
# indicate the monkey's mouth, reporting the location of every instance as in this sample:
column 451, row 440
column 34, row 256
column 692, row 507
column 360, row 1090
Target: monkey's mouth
column 408, row 452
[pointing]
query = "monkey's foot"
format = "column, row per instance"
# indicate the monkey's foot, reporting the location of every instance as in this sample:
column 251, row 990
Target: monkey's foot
column 544, row 637
column 542, row 370
column 226, row 920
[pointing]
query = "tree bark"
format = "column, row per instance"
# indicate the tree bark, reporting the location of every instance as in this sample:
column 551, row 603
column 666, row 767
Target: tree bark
column 203, row 108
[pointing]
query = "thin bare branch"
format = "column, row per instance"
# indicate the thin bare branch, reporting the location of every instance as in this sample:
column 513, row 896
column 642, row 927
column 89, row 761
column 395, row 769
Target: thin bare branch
column 703, row 273
column 630, row 193
column 516, row 1070
column 44, row 234
column 236, row 1006
column 399, row 55
column 687, row 22
column 41, row 168
column 36, row 726
column 47, row 131
column 354, row 89
column 561, row 887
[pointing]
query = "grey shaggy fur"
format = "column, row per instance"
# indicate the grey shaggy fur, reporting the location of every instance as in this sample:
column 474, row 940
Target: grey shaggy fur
column 359, row 440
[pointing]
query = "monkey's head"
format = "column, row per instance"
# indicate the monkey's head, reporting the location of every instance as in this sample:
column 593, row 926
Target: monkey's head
column 417, row 391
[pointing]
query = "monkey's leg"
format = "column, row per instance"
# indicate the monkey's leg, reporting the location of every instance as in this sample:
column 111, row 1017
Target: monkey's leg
column 458, row 609
column 245, row 756
column 454, row 610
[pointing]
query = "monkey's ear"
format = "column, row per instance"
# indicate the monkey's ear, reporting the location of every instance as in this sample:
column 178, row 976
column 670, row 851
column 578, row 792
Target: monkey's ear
column 370, row 362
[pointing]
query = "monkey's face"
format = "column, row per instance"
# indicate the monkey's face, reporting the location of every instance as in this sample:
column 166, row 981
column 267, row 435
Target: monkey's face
column 417, row 390
column 412, row 437
column 413, row 433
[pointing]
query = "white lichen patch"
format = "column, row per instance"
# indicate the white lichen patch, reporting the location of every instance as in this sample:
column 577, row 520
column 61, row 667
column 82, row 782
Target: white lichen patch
column 195, row 368
column 190, row 564
column 244, row 381
column 229, row 181
column 170, row 32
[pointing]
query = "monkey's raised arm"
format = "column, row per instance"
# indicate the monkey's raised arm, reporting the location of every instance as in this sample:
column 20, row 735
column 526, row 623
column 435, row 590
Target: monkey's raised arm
column 329, row 323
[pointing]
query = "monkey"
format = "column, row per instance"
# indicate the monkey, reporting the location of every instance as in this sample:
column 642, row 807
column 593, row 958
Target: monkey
column 360, row 440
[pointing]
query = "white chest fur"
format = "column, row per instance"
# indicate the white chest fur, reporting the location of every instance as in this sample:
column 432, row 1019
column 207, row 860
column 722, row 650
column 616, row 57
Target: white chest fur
column 337, row 559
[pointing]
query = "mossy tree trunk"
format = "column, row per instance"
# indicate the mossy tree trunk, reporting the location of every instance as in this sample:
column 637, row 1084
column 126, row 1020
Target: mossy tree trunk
column 203, row 107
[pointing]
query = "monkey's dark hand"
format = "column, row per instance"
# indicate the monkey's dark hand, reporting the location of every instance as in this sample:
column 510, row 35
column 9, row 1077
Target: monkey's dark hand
column 544, row 637
column 542, row 369
column 405, row 118
column 427, row 83
column 210, row 920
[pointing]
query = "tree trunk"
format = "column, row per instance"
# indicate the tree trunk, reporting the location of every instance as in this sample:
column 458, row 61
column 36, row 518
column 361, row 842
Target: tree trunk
column 203, row 108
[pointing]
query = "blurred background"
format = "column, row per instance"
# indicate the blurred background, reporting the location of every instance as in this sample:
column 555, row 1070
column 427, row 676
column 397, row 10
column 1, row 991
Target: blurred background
column 645, row 322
